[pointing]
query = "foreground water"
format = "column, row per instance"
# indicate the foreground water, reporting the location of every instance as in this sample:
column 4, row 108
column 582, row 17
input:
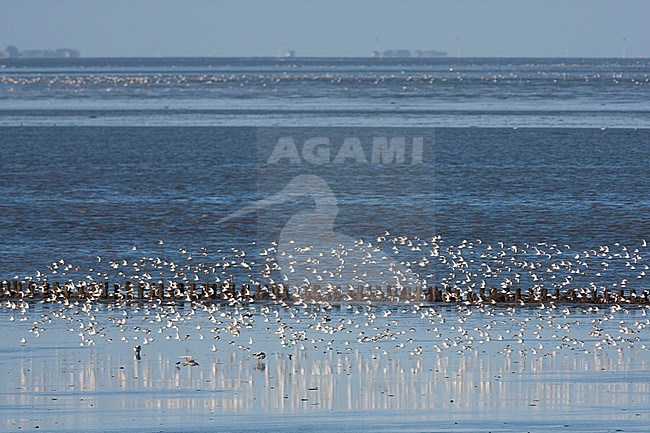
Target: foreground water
column 409, row 368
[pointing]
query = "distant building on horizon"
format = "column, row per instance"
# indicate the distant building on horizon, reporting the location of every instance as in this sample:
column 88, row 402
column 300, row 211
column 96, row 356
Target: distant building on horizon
column 11, row 52
column 403, row 53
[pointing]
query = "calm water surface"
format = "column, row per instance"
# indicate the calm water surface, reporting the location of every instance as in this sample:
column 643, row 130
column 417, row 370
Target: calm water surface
column 467, row 376
column 123, row 159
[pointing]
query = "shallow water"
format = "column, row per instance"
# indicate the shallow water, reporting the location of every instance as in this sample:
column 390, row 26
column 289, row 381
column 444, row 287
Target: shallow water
column 586, row 93
column 327, row 379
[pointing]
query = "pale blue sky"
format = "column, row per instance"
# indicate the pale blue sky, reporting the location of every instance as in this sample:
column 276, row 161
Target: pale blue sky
column 504, row 28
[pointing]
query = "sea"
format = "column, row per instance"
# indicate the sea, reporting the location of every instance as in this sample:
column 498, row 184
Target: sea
column 107, row 163
column 100, row 155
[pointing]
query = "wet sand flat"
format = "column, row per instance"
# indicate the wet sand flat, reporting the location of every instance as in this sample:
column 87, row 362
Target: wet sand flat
column 407, row 381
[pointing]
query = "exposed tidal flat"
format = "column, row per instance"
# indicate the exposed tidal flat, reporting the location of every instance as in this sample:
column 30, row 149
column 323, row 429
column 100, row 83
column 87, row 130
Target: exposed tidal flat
column 349, row 367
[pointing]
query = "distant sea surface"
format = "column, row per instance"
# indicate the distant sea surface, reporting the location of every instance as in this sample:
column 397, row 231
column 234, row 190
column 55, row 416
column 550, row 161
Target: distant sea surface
column 100, row 155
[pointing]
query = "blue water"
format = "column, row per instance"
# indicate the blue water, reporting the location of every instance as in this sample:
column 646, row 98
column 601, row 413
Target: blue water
column 100, row 155
column 531, row 174
column 308, row 92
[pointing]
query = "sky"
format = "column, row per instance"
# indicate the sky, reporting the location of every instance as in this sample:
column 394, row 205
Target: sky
column 471, row 28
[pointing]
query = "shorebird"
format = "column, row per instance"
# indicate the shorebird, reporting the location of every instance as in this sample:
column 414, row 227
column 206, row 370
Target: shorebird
column 137, row 351
column 189, row 361
column 259, row 356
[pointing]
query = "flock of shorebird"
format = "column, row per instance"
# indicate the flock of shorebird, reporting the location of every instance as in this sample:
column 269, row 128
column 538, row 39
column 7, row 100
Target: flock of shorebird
column 467, row 266
column 304, row 323
column 203, row 81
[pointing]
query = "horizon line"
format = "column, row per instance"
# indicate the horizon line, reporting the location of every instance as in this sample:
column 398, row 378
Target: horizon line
column 317, row 57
